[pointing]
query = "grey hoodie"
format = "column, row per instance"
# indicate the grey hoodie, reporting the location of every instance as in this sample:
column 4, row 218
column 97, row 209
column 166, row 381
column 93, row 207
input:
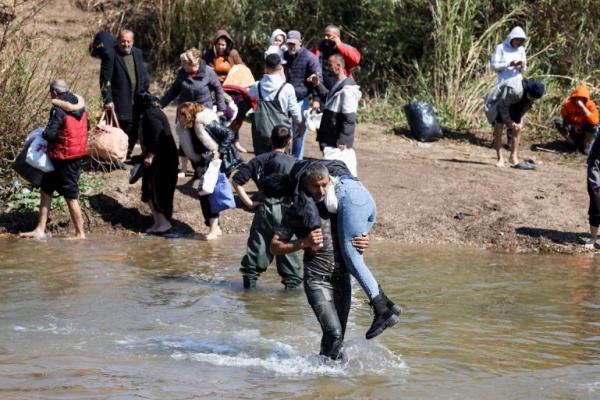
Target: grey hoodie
column 269, row 85
column 499, row 99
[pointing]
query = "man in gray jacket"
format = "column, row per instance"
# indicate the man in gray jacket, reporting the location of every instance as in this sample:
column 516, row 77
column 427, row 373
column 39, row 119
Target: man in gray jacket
column 505, row 104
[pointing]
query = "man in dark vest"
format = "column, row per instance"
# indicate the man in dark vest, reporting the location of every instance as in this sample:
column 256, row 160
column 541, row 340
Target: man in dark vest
column 123, row 77
column 67, row 136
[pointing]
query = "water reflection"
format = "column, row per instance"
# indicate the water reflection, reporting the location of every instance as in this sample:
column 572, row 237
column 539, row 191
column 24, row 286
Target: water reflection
column 142, row 316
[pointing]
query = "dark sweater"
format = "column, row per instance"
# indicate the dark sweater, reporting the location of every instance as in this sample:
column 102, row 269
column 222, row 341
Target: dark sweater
column 304, row 204
column 263, row 165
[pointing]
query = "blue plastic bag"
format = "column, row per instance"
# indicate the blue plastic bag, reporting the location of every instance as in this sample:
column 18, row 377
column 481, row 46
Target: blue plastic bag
column 222, row 197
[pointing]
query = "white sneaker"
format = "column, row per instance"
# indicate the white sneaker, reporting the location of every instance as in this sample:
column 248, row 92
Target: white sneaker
column 590, row 244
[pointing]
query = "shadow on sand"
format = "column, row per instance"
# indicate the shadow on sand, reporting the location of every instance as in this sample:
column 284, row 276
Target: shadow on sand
column 453, row 134
column 129, row 218
column 559, row 237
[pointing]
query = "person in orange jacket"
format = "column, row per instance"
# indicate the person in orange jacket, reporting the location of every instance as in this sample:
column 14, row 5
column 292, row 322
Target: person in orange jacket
column 578, row 122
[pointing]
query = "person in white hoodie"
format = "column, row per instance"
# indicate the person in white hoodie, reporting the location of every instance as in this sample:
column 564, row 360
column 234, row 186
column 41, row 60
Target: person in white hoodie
column 276, row 103
column 509, row 60
column 277, row 44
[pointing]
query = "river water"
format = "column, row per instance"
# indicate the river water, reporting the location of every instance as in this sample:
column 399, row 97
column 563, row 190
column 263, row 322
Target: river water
column 150, row 318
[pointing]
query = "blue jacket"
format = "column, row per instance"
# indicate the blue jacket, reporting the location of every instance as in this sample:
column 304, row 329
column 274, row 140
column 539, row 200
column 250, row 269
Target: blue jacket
column 197, row 89
column 298, row 68
column 115, row 84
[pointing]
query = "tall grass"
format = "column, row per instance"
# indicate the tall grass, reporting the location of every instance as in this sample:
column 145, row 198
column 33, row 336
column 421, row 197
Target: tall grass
column 26, row 66
column 460, row 69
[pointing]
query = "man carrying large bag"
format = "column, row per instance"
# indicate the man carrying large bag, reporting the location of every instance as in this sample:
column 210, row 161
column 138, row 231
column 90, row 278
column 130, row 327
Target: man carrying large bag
column 67, row 136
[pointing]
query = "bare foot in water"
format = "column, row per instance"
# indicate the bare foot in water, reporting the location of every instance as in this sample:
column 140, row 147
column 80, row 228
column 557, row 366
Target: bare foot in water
column 34, row 234
column 214, row 234
column 80, row 236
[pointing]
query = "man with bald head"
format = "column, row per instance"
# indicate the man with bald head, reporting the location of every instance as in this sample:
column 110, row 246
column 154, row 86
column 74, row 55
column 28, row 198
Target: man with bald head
column 330, row 45
column 123, row 77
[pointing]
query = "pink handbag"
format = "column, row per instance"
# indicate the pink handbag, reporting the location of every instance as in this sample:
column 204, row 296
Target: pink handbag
column 108, row 142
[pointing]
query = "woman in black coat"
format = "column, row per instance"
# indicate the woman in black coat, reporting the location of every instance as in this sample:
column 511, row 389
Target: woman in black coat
column 160, row 164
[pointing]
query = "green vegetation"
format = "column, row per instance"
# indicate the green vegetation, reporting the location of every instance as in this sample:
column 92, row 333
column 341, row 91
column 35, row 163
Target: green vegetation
column 27, row 63
column 24, row 199
column 412, row 49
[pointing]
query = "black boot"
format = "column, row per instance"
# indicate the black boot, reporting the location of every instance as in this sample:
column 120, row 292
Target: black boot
column 396, row 309
column 385, row 315
column 249, row 282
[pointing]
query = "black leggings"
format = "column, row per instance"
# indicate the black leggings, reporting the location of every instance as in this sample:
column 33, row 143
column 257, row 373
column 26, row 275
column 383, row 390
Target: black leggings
column 204, row 202
column 330, row 299
column 206, row 211
column 594, row 210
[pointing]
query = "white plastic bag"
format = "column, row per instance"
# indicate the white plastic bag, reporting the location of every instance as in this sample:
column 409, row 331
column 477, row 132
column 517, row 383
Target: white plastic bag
column 313, row 119
column 37, row 155
column 210, row 177
column 331, row 201
column 348, row 156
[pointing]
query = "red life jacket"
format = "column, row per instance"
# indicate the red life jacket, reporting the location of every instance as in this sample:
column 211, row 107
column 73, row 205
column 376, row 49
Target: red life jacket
column 71, row 140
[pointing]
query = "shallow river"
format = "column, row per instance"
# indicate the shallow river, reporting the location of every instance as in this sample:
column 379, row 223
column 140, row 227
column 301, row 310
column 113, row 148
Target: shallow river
column 114, row 318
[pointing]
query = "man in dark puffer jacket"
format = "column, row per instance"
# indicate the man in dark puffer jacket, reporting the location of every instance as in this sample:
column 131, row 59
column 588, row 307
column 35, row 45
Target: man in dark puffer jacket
column 300, row 65
column 67, row 136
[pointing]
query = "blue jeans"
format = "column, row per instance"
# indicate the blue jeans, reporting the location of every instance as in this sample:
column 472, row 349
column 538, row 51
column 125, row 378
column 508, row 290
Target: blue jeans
column 298, row 143
column 356, row 215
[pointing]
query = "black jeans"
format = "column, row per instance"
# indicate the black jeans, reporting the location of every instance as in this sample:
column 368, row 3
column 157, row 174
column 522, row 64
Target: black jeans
column 582, row 137
column 330, row 296
column 131, row 128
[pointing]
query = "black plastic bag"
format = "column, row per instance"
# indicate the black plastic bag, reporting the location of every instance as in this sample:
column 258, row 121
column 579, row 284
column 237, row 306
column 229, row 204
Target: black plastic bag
column 422, row 121
column 30, row 174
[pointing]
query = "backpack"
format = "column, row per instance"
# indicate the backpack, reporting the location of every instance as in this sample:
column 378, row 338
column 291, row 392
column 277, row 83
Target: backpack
column 268, row 114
